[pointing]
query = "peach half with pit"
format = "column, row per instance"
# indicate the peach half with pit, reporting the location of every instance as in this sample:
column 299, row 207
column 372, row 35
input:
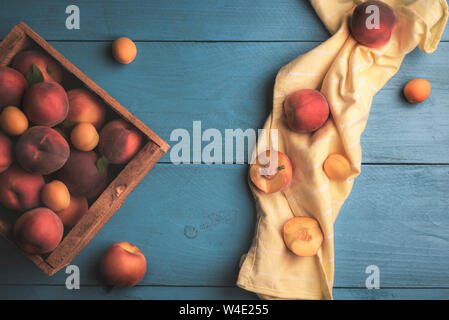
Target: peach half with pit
column 272, row 171
column 303, row 236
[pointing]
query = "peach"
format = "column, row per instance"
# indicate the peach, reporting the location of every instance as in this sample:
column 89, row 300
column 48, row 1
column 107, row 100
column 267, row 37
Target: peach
column 123, row 265
column 50, row 69
column 42, row 150
column 119, row 141
column 372, row 23
column 46, row 104
column 337, row 167
column 271, row 175
column 20, row 190
column 6, row 155
column 306, row 110
column 38, row 231
column 417, row 90
column 84, row 106
column 12, row 87
column 13, row 121
column 84, row 136
column 124, row 50
column 303, row 236
column 74, row 212
column 82, row 174
column 55, row 196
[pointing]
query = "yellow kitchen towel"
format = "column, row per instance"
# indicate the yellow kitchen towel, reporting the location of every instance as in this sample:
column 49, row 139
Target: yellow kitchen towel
column 349, row 75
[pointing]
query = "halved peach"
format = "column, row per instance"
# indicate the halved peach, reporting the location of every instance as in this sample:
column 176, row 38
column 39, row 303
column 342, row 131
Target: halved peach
column 303, row 236
column 272, row 172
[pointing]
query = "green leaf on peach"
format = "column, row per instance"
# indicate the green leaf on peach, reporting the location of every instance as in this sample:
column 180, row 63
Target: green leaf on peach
column 34, row 75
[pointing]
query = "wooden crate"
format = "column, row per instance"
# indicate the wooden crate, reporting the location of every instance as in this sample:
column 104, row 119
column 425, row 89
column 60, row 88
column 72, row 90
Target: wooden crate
column 22, row 37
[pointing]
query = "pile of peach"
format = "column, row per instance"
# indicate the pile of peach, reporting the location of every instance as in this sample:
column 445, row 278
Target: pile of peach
column 56, row 150
column 307, row 110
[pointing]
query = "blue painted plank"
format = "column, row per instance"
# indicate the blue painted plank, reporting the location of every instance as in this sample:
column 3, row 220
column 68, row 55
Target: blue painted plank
column 231, row 20
column 229, row 86
column 194, row 222
column 240, row 20
column 201, row 293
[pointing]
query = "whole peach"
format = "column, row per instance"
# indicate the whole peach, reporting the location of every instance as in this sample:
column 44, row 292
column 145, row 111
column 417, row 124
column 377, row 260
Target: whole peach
column 74, row 212
column 119, row 141
column 306, row 110
column 124, row 50
column 12, row 87
column 84, row 106
column 46, row 104
column 123, row 265
column 5, row 152
column 84, row 136
column 50, row 69
column 417, row 90
column 38, row 231
column 363, row 23
column 20, row 190
column 55, row 196
column 81, row 174
column 13, row 121
column 42, row 150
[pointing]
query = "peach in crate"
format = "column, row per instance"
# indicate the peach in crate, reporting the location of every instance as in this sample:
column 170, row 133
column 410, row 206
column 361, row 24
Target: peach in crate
column 107, row 189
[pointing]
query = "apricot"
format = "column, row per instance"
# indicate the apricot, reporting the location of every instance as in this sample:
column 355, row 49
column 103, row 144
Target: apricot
column 55, row 196
column 417, row 90
column 82, row 175
column 119, row 141
column 13, row 121
column 38, row 231
column 303, row 236
column 6, row 155
column 12, row 87
column 373, row 23
column 268, row 176
column 84, row 106
column 123, row 265
column 46, row 104
column 20, row 190
column 42, row 150
column 84, row 137
column 337, row 167
column 306, row 110
column 124, row 50
column 50, row 69
column 77, row 208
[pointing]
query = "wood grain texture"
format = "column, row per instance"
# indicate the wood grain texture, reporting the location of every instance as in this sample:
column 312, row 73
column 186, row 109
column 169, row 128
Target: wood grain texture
column 230, row 20
column 201, row 293
column 229, row 86
column 196, row 236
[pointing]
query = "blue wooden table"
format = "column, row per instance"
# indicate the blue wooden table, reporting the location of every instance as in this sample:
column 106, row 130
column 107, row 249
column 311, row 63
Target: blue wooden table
column 215, row 61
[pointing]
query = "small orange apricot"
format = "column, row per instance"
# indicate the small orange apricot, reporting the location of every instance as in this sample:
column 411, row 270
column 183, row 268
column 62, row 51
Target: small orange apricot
column 13, row 121
column 124, row 50
column 84, row 136
column 55, row 196
column 303, row 236
column 337, row 167
column 417, row 90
